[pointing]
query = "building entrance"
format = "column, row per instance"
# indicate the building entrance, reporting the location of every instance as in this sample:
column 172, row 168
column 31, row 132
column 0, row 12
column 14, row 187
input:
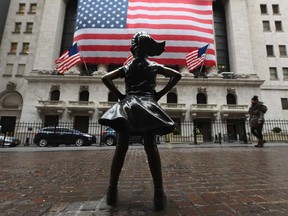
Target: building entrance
column 81, row 123
column 204, row 126
column 236, row 130
column 51, row 120
column 8, row 125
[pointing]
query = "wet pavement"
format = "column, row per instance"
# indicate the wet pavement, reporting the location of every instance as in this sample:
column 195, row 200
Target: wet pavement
column 242, row 180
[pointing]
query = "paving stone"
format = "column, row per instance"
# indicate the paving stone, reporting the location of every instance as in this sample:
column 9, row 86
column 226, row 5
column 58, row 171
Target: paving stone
column 236, row 181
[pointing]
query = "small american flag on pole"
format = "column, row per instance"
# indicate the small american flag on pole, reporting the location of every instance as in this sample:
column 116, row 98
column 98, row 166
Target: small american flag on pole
column 129, row 59
column 68, row 59
column 196, row 58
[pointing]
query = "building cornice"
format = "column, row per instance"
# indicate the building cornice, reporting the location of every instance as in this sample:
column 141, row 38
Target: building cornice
column 187, row 79
column 272, row 87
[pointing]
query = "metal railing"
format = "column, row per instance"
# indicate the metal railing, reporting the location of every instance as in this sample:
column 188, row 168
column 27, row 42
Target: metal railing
column 217, row 131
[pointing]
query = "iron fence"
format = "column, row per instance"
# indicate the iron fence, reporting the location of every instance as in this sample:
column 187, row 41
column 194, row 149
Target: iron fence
column 227, row 131
column 197, row 131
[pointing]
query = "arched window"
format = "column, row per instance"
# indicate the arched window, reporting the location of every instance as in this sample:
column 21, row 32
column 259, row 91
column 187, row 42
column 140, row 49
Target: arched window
column 172, row 97
column 201, row 98
column 231, row 98
column 84, row 95
column 112, row 97
column 55, row 95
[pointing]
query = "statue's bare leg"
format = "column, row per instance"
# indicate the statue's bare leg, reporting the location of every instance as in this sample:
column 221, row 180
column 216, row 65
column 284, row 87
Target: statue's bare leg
column 116, row 167
column 156, row 171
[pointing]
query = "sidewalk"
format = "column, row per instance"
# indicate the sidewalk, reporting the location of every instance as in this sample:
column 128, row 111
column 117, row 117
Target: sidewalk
column 135, row 146
column 205, row 179
column 217, row 145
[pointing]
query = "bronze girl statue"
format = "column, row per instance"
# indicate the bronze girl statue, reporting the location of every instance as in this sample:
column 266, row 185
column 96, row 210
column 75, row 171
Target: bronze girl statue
column 138, row 113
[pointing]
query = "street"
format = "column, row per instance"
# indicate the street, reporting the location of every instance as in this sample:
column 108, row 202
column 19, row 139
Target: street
column 198, row 181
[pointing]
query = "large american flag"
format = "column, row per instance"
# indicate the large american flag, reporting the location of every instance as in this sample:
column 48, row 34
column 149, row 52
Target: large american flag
column 104, row 28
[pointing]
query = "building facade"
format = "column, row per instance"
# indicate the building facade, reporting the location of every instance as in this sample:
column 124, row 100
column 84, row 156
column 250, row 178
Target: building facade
column 251, row 39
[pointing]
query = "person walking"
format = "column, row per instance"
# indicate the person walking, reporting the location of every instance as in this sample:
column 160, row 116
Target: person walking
column 138, row 113
column 256, row 119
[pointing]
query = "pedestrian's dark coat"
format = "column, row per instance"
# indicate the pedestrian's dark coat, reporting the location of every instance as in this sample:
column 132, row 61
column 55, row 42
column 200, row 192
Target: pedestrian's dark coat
column 256, row 113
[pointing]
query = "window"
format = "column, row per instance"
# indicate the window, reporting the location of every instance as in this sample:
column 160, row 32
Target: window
column 282, row 50
column 17, row 27
column 285, row 73
column 84, row 95
column 201, row 98
column 284, row 102
column 29, row 27
column 9, row 69
column 32, row 9
column 231, row 99
column 263, row 9
column 278, row 26
column 55, row 95
column 21, row 70
column 273, row 73
column 172, row 97
column 13, row 48
column 21, row 8
column 25, row 48
column 270, row 50
column 266, row 26
column 275, row 9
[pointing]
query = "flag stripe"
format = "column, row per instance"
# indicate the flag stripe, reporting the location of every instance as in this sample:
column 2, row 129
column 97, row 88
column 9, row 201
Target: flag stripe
column 166, row 61
column 143, row 24
column 172, row 55
column 129, row 59
column 187, row 11
column 185, row 25
column 127, row 34
column 172, row 2
column 127, row 38
column 70, row 62
column 168, row 18
column 172, row 49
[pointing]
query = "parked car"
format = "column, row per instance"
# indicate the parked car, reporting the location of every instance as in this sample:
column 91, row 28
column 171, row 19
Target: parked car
column 109, row 137
column 9, row 141
column 61, row 135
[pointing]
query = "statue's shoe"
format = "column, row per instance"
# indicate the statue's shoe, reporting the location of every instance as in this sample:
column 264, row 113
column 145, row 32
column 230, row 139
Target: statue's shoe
column 159, row 200
column 112, row 196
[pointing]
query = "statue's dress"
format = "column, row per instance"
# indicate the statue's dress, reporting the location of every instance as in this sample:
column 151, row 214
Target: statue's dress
column 139, row 112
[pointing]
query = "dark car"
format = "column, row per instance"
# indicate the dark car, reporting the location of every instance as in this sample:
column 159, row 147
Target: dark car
column 8, row 141
column 61, row 135
column 109, row 137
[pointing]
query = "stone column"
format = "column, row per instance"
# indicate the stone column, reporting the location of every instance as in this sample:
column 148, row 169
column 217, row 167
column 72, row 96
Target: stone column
column 49, row 41
column 239, row 39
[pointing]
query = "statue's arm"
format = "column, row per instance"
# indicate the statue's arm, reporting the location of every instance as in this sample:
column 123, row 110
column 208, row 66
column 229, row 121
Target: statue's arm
column 108, row 82
column 174, row 76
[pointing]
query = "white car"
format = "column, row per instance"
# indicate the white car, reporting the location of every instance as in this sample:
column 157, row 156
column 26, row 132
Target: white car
column 9, row 141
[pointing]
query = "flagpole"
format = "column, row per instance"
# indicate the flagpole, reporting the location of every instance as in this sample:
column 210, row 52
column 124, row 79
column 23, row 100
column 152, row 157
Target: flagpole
column 81, row 57
column 203, row 60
